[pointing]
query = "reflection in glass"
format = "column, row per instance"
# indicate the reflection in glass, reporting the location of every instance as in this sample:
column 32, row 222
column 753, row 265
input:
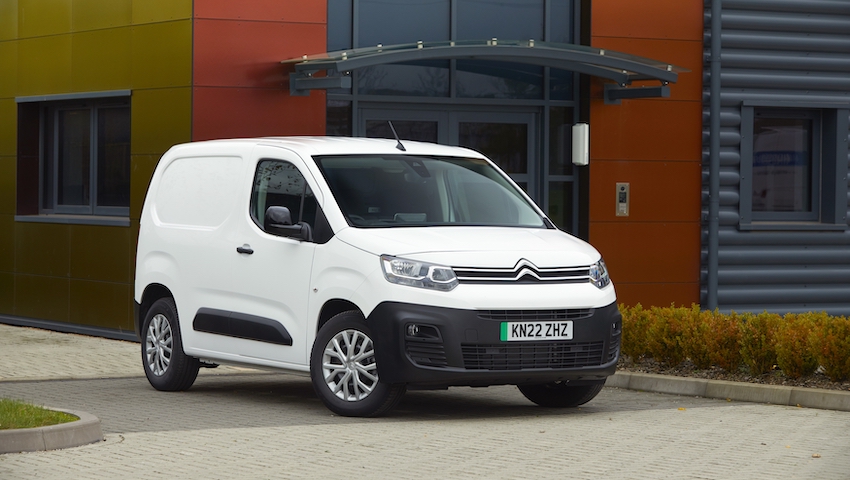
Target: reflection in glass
column 508, row 19
column 504, row 143
column 561, row 205
column 74, row 157
column 427, row 79
column 338, row 120
column 402, row 21
column 782, row 164
column 560, row 141
column 113, row 157
column 560, row 84
column 489, row 79
column 407, row 130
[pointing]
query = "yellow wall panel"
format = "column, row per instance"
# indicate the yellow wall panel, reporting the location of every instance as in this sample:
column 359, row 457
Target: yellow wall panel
column 162, row 55
column 8, row 19
column 101, row 60
column 141, row 171
column 7, row 188
column 45, row 298
column 100, row 253
column 9, row 67
column 150, row 11
column 8, row 126
column 7, row 293
column 37, row 18
column 42, row 249
column 160, row 118
column 44, row 65
column 100, row 304
column 7, row 240
column 98, row 14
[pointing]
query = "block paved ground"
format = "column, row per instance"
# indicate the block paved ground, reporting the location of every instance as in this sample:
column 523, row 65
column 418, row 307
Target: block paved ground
column 239, row 423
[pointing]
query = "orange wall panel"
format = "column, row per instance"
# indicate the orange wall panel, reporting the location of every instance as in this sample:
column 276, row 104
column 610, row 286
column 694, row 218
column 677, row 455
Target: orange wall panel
column 660, row 191
column 252, row 112
column 306, row 11
column 673, row 19
column 248, row 53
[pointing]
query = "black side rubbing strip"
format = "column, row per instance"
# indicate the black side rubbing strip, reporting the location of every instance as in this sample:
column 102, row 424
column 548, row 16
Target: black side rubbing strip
column 241, row 325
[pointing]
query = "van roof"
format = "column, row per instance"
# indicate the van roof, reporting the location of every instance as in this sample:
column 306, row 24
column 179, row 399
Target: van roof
column 341, row 146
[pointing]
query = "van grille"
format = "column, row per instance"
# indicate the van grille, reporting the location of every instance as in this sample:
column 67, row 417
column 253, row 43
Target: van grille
column 535, row 315
column 523, row 356
column 523, row 272
column 426, row 354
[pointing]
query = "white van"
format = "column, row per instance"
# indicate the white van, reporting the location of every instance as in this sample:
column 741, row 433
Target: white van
column 371, row 265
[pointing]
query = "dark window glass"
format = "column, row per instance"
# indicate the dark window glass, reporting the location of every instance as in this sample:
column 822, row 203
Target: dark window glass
column 402, row 21
column 507, row 19
column 560, row 141
column 782, row 164
column 74, row 157
column 425, row 79
column 281, row 184
column 561, row 205
column 113, row 157
column 560, row 84
column 338, row 118
column 561, row 21
column 490, row 79
column 420, row 131
column 339, row 25
column 504, row 143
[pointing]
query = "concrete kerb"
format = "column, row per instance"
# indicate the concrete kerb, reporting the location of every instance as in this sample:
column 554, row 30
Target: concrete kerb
column 64, row 435
column 739, row 391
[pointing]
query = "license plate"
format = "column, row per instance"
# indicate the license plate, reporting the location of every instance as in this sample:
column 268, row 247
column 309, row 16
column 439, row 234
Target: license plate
column 520, row 331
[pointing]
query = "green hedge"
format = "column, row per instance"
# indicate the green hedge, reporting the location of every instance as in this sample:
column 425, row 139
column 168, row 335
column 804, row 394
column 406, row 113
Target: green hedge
column 795, row 343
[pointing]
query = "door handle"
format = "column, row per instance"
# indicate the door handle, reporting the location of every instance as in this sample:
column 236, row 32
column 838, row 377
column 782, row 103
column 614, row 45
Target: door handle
column 245, row 249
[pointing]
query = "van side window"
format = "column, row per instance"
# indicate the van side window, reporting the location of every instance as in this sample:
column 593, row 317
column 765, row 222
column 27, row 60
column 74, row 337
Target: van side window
column 279, row 183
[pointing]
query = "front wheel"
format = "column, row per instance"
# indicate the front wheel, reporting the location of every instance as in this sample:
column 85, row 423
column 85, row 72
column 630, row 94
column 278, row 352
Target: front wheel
column 344, row 371
column 560, row 394
column 166, row 366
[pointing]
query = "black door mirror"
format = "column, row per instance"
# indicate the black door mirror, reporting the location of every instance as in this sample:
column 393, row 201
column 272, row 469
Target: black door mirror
column 278, row 221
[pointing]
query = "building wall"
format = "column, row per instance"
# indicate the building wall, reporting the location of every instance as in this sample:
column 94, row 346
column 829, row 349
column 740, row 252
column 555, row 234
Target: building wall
column 82, row 273
column 655, row 145
column 793, row 54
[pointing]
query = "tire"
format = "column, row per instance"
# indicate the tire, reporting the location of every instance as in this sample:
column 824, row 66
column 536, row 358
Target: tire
column 559, row 394
column 344, row 371
column 166, row 366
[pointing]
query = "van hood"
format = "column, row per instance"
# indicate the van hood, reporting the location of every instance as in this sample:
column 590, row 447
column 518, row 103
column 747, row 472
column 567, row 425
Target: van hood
column 496, row 247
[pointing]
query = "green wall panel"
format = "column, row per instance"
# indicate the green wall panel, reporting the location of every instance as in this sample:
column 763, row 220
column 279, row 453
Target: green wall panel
column 42, row 249
column 100, row 304
column 41, row 297
column 98, row 14
column 8, row 168
column 9, row 67
column 101, row 60
column 7, row 293
column 37, row 18
column 8, row 19
column 8, row 127
column 100, row 253
column 7, row 243
column 160, row 118
column 141, row 171
column 162, row 55
column 150, row 11
column 44, row 65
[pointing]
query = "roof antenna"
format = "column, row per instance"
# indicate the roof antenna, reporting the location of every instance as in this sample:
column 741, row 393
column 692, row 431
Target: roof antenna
column 399, row 145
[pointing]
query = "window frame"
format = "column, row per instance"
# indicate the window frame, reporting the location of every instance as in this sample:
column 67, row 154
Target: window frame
column 829, row 167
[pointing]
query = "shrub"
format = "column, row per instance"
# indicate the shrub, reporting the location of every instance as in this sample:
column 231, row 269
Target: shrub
column 697, row 334
column 793, row 353
column 724, row 341
column 757, row 341
column 663, row 334
column 830, row 342
column 633, row 341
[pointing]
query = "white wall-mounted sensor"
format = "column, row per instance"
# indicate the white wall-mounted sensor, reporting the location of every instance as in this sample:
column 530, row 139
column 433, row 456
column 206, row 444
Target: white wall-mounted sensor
column 581, row 144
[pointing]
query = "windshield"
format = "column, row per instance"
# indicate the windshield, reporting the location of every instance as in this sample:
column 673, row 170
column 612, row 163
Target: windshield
column 408, row 190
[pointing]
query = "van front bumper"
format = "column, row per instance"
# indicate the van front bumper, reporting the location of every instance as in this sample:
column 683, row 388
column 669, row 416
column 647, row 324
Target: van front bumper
column 434, row 347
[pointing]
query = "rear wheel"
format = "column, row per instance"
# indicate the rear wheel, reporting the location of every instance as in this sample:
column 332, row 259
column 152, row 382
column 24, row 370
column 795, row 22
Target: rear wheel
column 344, row 371
column 560, row 394
column 166, row 366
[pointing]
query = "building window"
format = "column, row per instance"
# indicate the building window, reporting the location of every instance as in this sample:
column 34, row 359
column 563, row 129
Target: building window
column 793, row 167
column 74, row 158
column 85, row 160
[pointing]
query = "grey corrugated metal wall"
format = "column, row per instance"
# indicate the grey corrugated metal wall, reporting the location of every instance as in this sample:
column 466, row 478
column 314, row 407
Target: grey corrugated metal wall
column 775, row 51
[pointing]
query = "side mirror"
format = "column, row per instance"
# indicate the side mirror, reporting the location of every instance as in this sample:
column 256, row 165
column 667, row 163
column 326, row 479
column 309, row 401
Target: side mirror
column 278, row 221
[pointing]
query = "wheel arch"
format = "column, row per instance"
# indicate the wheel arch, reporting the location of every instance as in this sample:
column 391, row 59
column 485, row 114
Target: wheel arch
column 152, row 293
column 334, row 307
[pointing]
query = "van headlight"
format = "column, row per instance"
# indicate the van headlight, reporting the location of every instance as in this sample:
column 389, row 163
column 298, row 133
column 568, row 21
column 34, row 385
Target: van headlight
column 418, row 274
column 599, row 274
